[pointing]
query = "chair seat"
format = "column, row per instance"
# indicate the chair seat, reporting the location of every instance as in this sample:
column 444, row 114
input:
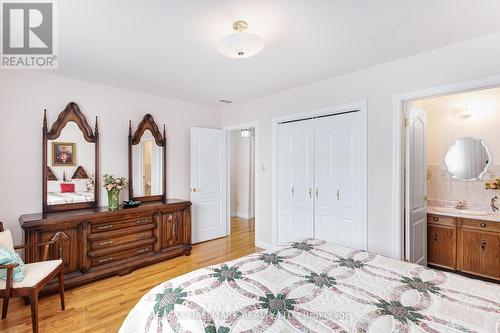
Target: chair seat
column 34, row 273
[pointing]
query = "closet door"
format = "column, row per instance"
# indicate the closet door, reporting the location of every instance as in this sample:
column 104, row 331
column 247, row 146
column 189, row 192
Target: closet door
column 339, row 174
column 295, row 178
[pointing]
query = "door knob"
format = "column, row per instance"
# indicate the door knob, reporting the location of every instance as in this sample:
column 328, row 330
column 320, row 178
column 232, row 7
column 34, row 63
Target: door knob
column 317, row 193
column 338, row 194
column 310, row 192
column 196, row 189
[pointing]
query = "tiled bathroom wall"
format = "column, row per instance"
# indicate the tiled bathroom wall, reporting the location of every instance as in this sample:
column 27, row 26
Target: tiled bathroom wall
column 442, row 187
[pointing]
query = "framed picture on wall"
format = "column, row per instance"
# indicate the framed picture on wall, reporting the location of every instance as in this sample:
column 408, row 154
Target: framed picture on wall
column 63, row 154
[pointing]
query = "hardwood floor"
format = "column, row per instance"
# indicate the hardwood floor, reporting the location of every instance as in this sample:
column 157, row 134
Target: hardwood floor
column 102, row 306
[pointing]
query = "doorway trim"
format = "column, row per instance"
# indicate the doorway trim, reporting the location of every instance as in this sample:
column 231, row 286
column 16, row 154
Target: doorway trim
column 399, row 102
column 228, row 129
column 362, row 106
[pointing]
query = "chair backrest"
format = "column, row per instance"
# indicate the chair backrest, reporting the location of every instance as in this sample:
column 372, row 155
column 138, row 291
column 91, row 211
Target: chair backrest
column 1, row 226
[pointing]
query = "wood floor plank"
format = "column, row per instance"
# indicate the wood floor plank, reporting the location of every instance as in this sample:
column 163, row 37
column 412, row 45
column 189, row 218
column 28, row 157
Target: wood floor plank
column 101, row 307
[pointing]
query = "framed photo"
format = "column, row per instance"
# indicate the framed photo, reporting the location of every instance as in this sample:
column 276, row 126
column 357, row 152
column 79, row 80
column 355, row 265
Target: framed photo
column 63, row 154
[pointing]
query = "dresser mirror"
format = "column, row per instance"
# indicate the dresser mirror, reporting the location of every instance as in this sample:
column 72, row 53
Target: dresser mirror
column 147, row 161
column 468, row 159
column 70, row 162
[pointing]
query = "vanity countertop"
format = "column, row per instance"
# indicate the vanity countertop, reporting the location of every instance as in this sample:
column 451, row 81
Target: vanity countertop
column 455, row 212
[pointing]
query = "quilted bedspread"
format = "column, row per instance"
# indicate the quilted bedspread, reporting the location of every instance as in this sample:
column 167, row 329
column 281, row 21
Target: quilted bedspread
column 315, row 286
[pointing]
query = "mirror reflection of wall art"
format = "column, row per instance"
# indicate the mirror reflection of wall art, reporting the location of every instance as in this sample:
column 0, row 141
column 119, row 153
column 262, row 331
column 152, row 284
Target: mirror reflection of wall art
column 468, row 159
column 63, row 154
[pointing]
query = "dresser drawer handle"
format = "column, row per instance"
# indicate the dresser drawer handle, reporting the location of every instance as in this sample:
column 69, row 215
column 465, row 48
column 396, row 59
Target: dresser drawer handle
column 144, row 235
column 104, row 227
column 106, row 243
column 483, row 225
column 108, row 259
column 435, row 219
column 143, row 251
column 143, row 221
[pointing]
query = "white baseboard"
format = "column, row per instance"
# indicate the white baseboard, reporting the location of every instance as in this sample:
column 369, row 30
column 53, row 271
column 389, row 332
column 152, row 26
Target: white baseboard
column 264, row 245
column 240, row 215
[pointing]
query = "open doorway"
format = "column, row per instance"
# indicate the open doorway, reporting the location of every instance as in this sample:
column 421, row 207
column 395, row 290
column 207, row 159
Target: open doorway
column 242, row 174
column 451, row 163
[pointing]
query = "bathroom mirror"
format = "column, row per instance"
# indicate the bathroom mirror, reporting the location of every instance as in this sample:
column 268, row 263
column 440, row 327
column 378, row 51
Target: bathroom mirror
column 147, row 161
column 70, row 162
column 468, row 159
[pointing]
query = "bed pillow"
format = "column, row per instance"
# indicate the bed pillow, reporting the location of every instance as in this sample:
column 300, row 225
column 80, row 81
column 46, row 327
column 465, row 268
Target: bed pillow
column 80, row 185
column 6, row 241
column 10, row 257
column 67, row 188
column 53, row 186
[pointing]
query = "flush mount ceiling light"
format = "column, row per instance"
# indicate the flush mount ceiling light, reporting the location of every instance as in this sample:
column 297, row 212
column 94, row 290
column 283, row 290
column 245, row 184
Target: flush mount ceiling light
column 246, row 133
column 240, row 44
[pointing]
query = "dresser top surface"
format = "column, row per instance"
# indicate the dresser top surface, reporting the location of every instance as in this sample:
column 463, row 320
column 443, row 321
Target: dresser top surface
column 103, row 210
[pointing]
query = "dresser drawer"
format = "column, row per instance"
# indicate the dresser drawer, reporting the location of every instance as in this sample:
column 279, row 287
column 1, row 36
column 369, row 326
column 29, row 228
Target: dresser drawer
column 122, row 255
column 110, row 225
column 441, row 220
column 480, row 225
column 119, row 240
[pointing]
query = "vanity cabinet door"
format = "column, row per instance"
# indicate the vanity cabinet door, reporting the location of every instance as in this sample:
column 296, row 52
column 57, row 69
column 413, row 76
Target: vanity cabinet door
column 441, row 246
column 480, row 253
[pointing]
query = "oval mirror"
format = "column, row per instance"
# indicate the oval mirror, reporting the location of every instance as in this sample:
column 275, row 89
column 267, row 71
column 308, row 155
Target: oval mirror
column 468, row 159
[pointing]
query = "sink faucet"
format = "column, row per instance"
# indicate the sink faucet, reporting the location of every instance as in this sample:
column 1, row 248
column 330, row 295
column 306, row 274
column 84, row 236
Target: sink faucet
column 460, row 205
column 494, row 205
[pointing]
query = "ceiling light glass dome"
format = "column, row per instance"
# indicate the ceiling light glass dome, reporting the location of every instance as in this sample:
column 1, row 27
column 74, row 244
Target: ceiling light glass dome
column 240, row 44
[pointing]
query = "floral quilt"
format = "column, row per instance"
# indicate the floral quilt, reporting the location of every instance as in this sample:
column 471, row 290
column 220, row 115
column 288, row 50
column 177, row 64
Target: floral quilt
column 315, row 286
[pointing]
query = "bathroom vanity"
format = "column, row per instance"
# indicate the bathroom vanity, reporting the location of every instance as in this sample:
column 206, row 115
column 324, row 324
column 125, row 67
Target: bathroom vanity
column 466, row 241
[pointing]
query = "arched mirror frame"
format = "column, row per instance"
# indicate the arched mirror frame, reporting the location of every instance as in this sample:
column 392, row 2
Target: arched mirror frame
column 147, row 123
column 72, row 113
column 486, row 167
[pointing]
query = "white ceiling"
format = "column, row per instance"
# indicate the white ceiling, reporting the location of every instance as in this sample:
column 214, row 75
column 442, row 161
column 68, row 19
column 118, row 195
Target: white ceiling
column 168, row 47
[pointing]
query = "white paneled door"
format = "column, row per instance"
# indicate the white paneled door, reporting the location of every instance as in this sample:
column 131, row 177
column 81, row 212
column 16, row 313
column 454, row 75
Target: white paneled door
column 208, row 184
column 416, row 190
column 296, row 182
column 339, row 166
column 321, row 175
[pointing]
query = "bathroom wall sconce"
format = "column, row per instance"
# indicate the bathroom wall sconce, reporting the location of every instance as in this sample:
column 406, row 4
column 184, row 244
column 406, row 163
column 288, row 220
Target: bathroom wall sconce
column 462, row 112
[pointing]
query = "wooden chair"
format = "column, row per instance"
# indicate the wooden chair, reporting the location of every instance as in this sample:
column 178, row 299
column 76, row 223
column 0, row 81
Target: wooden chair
column 37, row 275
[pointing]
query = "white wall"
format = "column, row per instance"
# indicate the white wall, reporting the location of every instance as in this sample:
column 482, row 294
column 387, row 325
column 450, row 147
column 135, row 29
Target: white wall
column 465, row 61
column 24, row 95
column 240, row 175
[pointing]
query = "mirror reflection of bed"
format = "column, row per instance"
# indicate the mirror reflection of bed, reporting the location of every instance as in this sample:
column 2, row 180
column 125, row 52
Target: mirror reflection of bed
column 148, row 167
column 70, row 175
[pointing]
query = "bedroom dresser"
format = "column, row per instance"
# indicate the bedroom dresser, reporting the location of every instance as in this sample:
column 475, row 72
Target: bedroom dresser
column 102, row 243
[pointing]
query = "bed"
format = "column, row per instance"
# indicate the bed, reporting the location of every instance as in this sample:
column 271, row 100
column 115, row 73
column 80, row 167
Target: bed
column 315, row 286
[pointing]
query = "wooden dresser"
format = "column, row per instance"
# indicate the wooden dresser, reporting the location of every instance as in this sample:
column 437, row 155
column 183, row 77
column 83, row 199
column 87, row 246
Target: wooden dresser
column 467, row 245
column 103, row 242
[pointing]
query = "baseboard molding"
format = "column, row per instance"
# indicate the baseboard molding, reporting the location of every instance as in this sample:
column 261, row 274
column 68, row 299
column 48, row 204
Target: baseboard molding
column 241, row 215
column 264, row 245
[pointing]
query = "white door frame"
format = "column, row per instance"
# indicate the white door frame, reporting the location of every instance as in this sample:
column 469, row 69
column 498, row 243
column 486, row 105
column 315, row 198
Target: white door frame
column 228, row 129
column 362, row 106
column 399, row 102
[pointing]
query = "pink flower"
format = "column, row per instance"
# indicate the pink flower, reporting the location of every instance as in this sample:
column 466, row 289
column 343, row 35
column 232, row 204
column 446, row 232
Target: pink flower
column 109, row 187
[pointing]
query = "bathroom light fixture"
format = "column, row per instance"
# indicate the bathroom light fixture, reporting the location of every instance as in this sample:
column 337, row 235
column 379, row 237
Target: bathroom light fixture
column 240, row 44
column 463, row 112
column 246, row 132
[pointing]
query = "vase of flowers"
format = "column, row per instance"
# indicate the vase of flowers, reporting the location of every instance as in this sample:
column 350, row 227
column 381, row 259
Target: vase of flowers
column 114, row 185
column 495, row 186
